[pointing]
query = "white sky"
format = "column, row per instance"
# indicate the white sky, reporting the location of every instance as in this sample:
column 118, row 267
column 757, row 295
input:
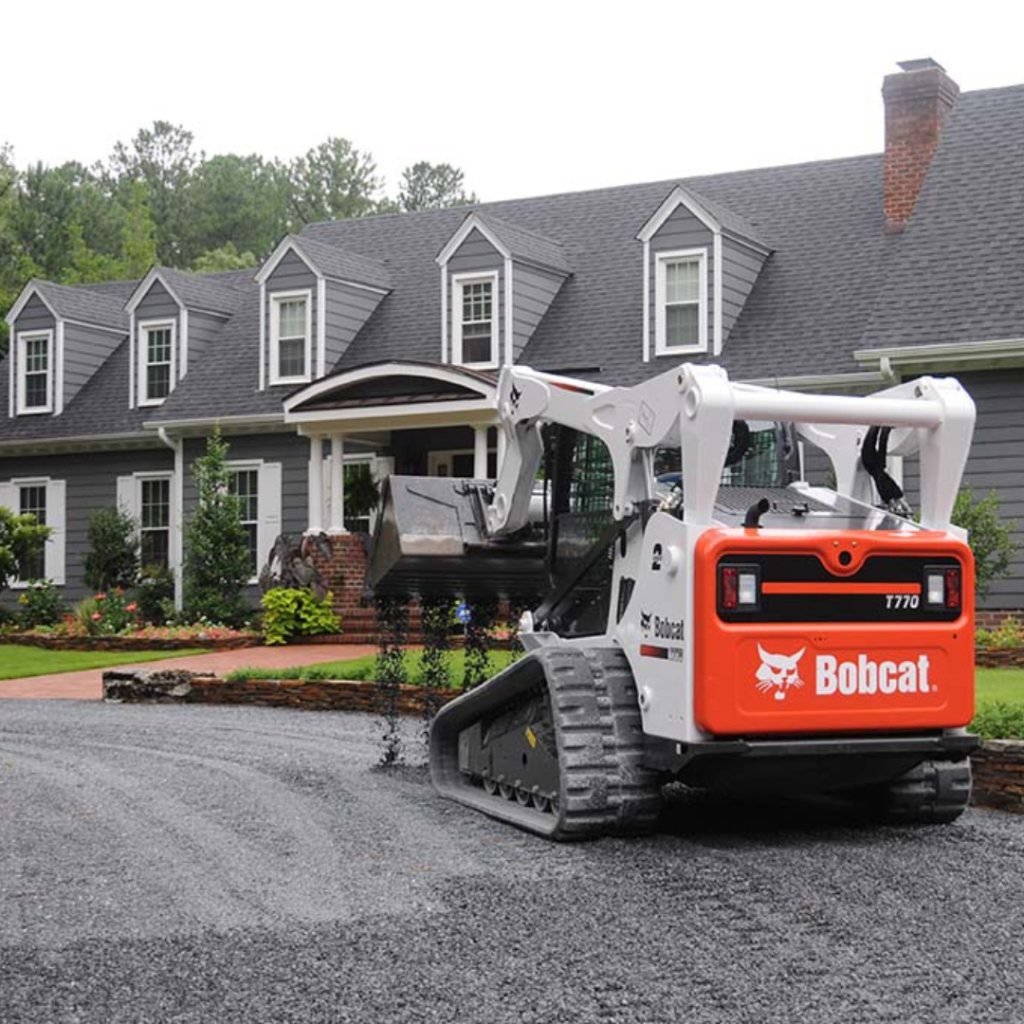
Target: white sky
column 527, row 97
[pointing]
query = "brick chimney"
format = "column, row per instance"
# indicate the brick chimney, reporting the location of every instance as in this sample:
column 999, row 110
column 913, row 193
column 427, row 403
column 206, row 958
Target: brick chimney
column 917, row 102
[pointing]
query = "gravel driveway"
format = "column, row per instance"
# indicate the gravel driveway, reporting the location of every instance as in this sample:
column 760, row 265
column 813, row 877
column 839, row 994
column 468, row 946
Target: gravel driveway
column 244, row 864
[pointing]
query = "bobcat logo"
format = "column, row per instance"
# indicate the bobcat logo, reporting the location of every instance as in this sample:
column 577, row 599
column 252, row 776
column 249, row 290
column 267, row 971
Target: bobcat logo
column 513, row 398
column 656, row 557
column 645, row 622
column 778, row 672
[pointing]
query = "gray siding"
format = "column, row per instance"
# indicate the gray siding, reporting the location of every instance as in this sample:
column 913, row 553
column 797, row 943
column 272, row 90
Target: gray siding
column 682, row 231
column 157, row 304
column 996, row 463
column 203, row 330
column 348, row 308
column 477, row 255
column 292, row 274
column 740, row 267
column 91, row 483
column 290, row 450
column 86, row 349
column 533, row 291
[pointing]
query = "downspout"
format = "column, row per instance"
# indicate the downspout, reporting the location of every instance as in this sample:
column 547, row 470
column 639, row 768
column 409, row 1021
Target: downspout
column 177, row 445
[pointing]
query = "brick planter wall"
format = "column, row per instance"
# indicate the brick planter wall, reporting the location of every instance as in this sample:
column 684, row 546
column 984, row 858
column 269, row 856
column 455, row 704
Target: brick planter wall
column 999, row 657
column 990, row 620
column 310, row 695
column 134, row 643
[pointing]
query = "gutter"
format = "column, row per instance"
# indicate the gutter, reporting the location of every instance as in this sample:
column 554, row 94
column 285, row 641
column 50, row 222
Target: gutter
column 83, row 442
column 824, row 381
column 177, row 445
column 947, row 355
column 261, row 420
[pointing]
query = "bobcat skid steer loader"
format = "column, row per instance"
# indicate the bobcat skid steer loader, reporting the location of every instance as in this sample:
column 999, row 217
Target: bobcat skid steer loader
column 709, row 617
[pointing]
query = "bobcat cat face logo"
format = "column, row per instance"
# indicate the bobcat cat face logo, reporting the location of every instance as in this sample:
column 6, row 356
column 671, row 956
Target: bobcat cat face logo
column 778, row 673
column 513, row 398
column 645, row 622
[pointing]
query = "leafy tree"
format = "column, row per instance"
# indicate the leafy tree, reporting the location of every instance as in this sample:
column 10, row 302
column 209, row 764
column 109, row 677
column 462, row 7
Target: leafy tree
column 990, row 538
column 216, row 546
column 21, row 538
column 113, row 558
column 139, row 245
column 227, row 257
column 427, row 186
column 332, row 181
column 163, row 159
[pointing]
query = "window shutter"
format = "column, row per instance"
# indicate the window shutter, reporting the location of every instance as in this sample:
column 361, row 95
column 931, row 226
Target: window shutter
column 9, row 497
column 56, row 511
column 269, row 509
column 128, row 496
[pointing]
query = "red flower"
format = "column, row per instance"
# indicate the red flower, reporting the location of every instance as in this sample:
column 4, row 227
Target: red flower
column 101, row 597
column 133, row 607
column 96, row 616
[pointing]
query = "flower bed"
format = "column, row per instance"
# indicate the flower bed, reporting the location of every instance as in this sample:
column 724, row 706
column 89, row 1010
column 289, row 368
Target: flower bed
column 152, row 638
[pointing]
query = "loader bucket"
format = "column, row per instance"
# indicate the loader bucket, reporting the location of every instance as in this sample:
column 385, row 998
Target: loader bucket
column 430, row 540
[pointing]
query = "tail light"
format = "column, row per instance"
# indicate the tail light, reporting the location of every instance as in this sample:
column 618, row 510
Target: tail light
column 942, row 587
column 739, row 587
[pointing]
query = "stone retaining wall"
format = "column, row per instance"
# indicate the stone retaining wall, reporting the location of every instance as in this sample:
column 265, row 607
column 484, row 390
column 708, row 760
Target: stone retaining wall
column 999, row 775
column 999, row 657
column 133, row 643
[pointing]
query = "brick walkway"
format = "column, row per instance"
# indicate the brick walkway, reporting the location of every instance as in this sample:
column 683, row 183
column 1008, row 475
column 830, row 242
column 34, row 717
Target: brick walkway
column 88, row 685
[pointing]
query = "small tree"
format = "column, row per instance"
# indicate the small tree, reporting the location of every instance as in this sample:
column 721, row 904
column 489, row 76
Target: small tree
column 217, row 566
column 991, row 538
column 21, row 538
column 113, row 558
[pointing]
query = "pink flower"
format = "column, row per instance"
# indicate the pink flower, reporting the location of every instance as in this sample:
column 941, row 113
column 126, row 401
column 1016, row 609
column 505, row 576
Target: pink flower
column 133, row 607
column 101, row 597
column 96, row 616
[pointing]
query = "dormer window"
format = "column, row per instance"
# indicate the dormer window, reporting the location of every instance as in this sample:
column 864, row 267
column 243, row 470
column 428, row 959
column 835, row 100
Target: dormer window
column 156, row 361
column 291, row 337
column 681, row 287
column 474, row 327
column 35, row 391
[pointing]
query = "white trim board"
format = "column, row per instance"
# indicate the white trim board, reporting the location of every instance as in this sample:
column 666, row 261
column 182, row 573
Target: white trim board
column 21, row 340
column 274, row 327
column 142, row 362
column 463, row 232
column 476, row 277
column 661, row 348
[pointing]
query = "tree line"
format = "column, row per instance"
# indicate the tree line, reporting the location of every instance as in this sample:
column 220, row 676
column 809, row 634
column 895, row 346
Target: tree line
column 158, row 199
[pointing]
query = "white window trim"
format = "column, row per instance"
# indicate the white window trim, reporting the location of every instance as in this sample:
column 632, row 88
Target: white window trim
column 276, row 298
column 249, row 465
column 459, row 281
column 54, row 553
column 24, row 337
column 173, row 561
column 142, row 362
column 661, row 348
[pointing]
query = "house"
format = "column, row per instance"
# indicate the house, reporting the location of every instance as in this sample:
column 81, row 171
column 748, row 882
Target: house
column 376, row 342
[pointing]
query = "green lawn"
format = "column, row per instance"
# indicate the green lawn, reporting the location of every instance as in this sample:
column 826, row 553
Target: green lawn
column 17, row 661
column 363, row 668
column 1002, row 684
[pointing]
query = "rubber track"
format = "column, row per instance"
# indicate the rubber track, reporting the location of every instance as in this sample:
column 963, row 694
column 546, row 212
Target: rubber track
column 935, row 792
column 604, row 788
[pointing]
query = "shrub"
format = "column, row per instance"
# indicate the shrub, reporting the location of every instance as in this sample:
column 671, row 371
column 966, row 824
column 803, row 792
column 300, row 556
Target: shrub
column 41, row 605
column 21, row 537
column 155, row 594
column 999, row 721
column 1009, row 633
column 106, row 613
column 113, row 558
column 289, row 612
column 217, row 567
column 990, row 538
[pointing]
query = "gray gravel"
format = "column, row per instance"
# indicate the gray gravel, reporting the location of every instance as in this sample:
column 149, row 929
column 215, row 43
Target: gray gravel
column 245, row 864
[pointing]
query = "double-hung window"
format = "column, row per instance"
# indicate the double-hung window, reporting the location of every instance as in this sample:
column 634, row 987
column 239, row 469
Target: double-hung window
column 32, row 501
column 245, row 484
column 475, row 320
column 35, row 358
column 681, row 311
column 156, row 361
column 155, row 521
column 291, row 338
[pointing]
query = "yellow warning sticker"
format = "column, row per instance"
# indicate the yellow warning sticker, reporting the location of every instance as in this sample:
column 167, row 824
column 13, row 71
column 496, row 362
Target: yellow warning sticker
column 531, row 737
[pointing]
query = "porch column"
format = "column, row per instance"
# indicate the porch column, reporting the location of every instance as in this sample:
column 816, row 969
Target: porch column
column 316, row 484
column 501, row 447
column 480, row 453
column 338, row 484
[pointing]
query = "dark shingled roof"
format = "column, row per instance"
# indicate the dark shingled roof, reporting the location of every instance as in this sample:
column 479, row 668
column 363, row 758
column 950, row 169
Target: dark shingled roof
column 343, row 264
column 215, row 293
column 835, row 281
column 86, row 304
column 959, row 272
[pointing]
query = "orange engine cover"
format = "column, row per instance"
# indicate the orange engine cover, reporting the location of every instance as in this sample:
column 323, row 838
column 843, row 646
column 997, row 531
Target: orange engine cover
column 840, row 640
